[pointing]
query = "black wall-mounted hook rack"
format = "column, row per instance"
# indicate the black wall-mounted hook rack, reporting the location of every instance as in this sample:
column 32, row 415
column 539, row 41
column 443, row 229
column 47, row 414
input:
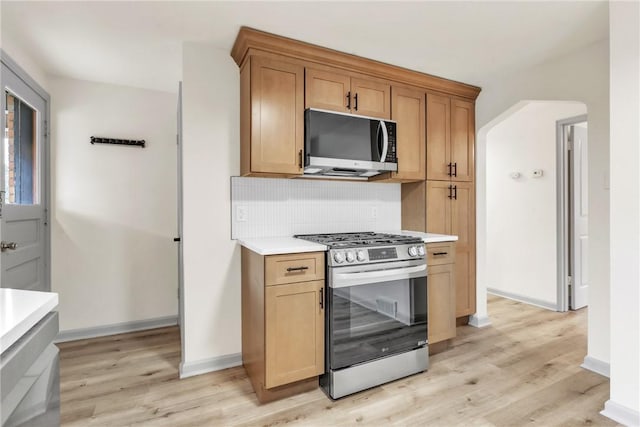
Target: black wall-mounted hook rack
column 115, row 141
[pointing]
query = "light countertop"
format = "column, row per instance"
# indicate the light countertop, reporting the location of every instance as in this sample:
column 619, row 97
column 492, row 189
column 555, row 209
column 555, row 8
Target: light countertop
column 281, row 245
column 291, row 245
column 20, row 311
column 428, row 237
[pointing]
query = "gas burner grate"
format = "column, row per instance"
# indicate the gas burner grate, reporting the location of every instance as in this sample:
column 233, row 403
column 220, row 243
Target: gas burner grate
column 350, row 240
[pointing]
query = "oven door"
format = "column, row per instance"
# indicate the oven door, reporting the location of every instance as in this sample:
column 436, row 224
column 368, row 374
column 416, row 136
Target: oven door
column 375, row 311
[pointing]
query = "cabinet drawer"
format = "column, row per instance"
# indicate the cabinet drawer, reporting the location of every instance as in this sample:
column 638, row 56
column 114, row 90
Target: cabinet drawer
column 441, row 253
column 291, row 268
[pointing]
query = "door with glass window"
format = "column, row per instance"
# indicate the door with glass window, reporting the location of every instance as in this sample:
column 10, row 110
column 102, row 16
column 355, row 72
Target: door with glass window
column 22, row 185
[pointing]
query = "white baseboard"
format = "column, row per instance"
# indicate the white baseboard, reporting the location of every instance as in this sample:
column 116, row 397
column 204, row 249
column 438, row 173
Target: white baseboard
column 595, row 365
column 526, row 300
column 479, row 322
column 621, row 414
column 204, row 366
column 117, row 328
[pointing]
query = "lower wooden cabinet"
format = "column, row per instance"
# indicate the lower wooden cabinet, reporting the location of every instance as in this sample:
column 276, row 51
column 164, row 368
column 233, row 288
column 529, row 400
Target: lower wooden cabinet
column 282, row 322
column 450, row 209
column 294, row 332
column 447, row 207
column 441, row 291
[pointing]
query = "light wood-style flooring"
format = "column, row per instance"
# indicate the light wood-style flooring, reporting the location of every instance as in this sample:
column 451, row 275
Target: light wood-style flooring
column 524, row 369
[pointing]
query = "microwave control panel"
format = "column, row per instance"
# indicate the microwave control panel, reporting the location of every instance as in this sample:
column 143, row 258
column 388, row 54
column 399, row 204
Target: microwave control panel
column 391, row 151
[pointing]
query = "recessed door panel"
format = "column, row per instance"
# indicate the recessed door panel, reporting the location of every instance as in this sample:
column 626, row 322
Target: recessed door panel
column 462, row 140
column 438, row 137
column 22, row 185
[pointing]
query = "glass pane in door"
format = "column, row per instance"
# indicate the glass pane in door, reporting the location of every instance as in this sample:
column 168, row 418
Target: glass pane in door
column 20, row 152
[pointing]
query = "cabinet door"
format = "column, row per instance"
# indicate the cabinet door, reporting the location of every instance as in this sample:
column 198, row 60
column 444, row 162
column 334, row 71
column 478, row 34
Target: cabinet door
column 462, row 140
column 438, row 207
column 438, row 137
column 441, row 292
column 327, row 90
column 408, row 110
column 277, row 116
column 294, row 332
column 373, row 98
column 463, row 225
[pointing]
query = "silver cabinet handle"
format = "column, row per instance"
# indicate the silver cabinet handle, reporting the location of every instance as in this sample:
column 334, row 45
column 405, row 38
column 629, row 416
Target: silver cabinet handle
column 8, row 245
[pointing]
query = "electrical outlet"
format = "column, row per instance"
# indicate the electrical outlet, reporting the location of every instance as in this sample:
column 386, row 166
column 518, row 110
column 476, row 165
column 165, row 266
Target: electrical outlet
column 374, row 212
column 537, row 173
column 241, row 213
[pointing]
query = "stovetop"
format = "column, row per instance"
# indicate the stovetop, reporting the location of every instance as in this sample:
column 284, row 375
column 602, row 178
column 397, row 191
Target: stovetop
column 355, row 240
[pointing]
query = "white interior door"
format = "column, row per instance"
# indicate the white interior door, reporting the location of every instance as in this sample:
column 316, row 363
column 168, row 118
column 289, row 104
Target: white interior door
column 22, row 182
column 579, row 296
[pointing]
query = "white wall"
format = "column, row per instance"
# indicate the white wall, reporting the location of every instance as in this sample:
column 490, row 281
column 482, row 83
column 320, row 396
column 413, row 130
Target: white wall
column 624, row 403
column 12, row 48
column 582, row 76
column 211, row 154
column 284, row 207
column 113, row 207
column 521, row 213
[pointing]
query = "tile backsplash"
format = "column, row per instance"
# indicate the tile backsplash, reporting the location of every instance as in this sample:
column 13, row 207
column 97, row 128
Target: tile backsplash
column 269, row 207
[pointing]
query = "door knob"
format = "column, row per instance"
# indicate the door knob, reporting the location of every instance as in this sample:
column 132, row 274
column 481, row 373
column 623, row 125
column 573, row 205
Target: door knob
column 8, row 245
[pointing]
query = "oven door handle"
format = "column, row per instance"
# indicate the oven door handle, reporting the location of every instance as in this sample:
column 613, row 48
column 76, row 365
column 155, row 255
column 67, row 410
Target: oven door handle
column 342, row 280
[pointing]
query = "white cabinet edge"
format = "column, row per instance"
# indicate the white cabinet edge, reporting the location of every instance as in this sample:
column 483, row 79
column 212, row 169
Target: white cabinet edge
column 280, row 245
column 429, row 237
column 21, row 310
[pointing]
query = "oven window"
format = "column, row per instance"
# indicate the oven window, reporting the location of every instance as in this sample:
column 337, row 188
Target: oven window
column 370, row 321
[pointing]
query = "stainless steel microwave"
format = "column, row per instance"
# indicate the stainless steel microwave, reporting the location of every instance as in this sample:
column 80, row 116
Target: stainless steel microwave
column 345, row 145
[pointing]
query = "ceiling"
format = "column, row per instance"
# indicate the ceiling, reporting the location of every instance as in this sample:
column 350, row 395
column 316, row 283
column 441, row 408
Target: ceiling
column 140, row 43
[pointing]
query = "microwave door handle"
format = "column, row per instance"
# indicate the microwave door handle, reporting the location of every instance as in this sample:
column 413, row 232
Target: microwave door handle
column 385, row 141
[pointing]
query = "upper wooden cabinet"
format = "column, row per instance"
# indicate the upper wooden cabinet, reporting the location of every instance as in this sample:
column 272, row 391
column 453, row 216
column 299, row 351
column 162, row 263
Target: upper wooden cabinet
column 463, row 131
column 408, row 110
column 329, row 90
column 450, row 138
column 438, row 137
column 280, row 77
column 271, row 117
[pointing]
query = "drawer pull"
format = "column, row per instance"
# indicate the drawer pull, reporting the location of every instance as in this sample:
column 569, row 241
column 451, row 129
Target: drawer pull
column 290, row 269
column 440, row 253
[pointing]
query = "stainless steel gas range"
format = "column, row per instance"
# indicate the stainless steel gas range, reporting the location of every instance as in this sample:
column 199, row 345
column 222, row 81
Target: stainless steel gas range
column 376, row 317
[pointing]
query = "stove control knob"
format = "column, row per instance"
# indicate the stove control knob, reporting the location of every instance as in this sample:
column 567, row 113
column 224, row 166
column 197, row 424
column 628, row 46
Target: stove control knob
column 421, row 250
column 413, row 251
column 361, row 256
column 351, row 256
column 338, row 257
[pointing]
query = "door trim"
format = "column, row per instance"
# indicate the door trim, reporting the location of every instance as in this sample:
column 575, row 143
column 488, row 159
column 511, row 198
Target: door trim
column 562, row 214
column 179, row 142
column 46, row 140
